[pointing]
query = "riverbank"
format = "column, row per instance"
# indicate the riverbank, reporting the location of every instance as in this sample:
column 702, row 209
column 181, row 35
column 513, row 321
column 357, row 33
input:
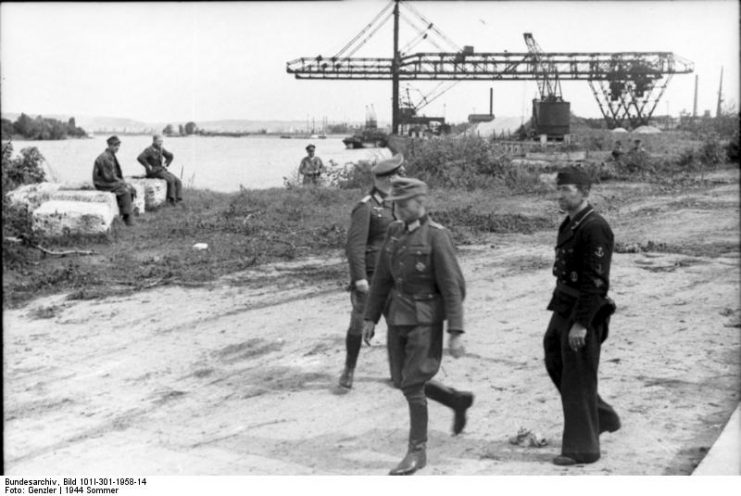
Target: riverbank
column 235, row 374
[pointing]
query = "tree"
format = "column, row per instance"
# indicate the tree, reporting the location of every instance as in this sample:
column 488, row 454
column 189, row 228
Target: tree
column 190, row 128
column 7, row 129
column 168, row 130
column 23, row 125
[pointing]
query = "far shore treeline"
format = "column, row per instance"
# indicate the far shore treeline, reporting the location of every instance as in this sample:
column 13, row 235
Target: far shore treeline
column 40, row 128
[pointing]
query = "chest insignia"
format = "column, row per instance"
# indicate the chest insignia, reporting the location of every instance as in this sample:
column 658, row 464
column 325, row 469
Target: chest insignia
column 599, row 252
column 574, row 276
column 420, row 267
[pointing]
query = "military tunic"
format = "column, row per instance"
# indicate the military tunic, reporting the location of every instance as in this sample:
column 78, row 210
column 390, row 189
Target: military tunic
column 311, row 168
column 152, row 159
column 582, row 270
column 107, row 176
column 418, row 269
column 368, row 225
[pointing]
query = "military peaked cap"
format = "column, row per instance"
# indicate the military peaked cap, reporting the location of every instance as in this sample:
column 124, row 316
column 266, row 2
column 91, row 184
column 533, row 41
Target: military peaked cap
column 573, row 175
column 388, row 166
column 404, row 188
column 113, row 140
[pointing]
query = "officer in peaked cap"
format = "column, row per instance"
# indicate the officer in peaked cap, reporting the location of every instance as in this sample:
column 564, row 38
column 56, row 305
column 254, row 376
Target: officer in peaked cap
column 417, row 275
column 369, row 222
column 579, row 323
column 311, row 167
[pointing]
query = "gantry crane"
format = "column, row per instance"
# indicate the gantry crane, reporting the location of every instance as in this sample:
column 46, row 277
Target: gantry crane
column 626, row 85
column 551, row 114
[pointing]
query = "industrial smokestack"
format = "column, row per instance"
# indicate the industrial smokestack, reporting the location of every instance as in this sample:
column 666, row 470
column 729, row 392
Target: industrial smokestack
column 694, row 105
column 720, row 94
column 491, row 101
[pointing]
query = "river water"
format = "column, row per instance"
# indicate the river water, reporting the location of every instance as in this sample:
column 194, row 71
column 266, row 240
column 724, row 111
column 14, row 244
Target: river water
column 215, row 163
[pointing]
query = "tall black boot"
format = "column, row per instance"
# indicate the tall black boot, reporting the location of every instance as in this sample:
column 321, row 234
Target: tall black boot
column 416, row 457
column 352, row 346
column 459, row 401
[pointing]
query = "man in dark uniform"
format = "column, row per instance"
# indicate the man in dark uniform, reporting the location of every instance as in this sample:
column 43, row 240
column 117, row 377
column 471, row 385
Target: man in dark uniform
column 368, row 225
column 311, row 167
column 579, row 323
column 418, row 270
column 152, row 159
column 107, row 176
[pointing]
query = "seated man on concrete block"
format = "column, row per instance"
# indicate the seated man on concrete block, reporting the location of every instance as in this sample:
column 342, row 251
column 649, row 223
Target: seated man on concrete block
column 152, row 159
column 107, row 176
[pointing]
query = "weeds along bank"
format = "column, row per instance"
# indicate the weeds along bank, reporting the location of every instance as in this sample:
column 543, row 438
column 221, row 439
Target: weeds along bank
column 475, row 190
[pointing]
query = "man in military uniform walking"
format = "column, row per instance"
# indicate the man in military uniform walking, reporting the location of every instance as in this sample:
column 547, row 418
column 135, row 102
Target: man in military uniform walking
column 156, row 160
column 579, row 323
column 107, row 176
column 418, row 270
column 368, row 225
column 311, row 167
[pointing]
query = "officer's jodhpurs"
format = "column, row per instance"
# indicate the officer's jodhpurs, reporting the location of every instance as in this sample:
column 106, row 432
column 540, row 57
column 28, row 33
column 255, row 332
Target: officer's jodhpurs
column 574, row 374
column 415, row 353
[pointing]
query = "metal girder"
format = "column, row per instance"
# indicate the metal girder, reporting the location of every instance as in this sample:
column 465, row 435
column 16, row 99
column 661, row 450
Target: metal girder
column 628, row 104
column 618, row 66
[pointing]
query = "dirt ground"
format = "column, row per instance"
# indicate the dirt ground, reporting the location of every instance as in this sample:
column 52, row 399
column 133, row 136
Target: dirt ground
column 238, row 378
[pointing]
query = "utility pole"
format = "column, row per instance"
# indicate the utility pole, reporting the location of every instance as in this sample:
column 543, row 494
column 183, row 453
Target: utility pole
column 395, row 74
column 694, row 105
column 720, row 94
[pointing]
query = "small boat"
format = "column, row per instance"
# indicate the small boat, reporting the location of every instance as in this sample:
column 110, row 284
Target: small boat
column 286, row 136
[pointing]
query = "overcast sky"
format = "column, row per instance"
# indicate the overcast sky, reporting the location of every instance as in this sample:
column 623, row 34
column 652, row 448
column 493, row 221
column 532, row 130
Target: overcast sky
column 160, row 62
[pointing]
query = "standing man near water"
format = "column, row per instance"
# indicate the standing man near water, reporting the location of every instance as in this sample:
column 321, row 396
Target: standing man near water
column 311, row 167
column 419, row 279
column 156, row 160
column 579, row 324
column 369, row 222
column 107, row 176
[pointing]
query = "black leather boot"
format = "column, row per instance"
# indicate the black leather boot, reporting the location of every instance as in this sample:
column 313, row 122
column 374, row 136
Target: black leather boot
column 346, row 378
column 415, row 459
column 458, row 401
column 464, row 401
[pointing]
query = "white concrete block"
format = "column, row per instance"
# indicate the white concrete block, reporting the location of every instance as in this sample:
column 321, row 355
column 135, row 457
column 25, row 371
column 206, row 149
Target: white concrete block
column 77, row 185
column 139, row 203
column 57, row 218
column 155, row 191
column 32, row 195
column 86, row 196
column 89, row 193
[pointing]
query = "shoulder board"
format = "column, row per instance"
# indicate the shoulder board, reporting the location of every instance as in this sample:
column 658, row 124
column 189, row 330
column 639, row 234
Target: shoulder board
column 366, row 199
column 434, row 224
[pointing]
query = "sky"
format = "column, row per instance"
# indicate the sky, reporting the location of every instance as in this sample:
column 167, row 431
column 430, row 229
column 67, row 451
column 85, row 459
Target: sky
column 204, row 61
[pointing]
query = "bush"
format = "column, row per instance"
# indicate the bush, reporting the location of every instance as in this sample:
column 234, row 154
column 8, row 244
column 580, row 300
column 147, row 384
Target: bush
column 351, row 175
column 731, row 148
column 467, row 162
column 26, row 169
column 16, row 222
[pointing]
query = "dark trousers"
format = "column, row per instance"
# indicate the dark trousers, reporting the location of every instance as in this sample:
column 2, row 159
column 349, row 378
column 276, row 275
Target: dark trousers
column 125, row 193
column 354, row 337
column 574, row 374
column 415, row 353
column 174, row 185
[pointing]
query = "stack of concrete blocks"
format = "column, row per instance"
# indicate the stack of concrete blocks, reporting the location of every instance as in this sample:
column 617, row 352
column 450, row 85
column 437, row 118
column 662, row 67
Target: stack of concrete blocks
column 60, row 209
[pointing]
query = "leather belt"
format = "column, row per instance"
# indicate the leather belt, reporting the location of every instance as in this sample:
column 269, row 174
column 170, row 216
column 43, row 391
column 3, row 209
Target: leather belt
column 568, row 290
